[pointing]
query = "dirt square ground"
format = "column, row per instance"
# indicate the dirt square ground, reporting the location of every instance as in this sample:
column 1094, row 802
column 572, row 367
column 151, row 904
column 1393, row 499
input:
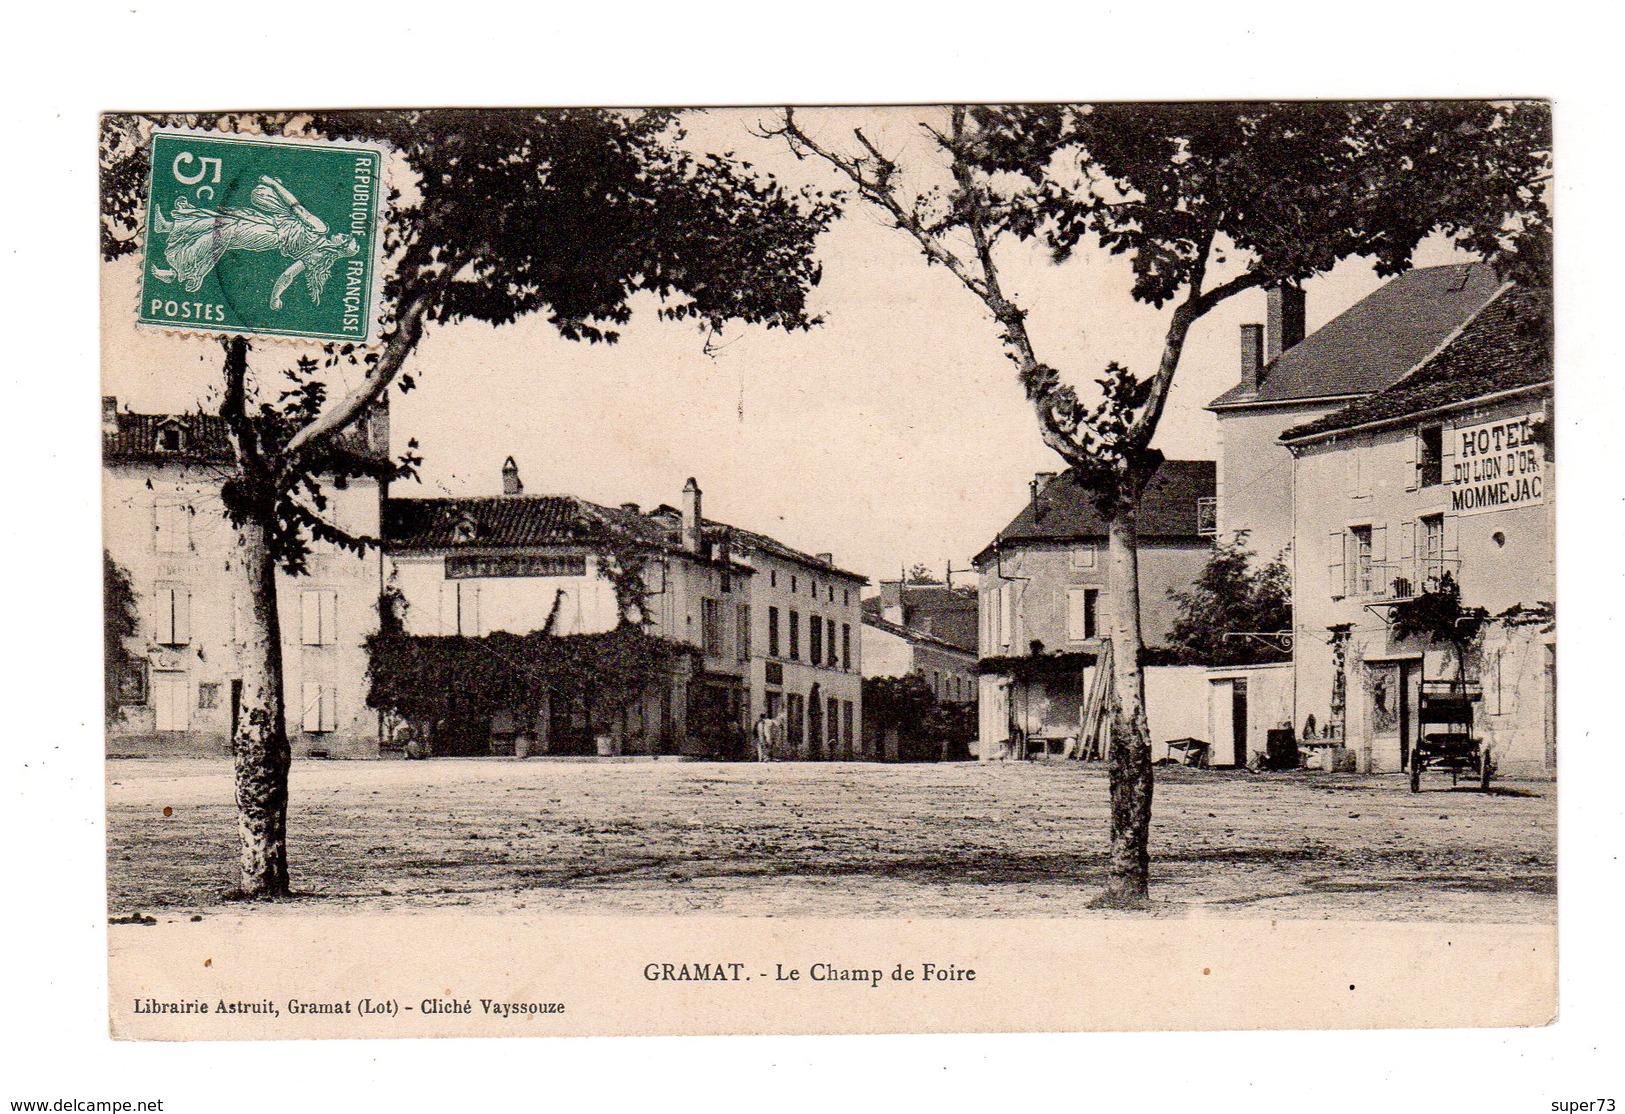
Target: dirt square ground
column 835, row 839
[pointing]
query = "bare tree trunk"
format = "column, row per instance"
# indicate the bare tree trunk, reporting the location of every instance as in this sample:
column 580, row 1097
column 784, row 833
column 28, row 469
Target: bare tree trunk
column 1129, row 757
column 260, row 750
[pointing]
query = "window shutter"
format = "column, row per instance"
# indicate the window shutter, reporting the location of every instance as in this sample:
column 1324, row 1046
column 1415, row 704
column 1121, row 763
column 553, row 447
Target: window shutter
column 311, row 702
column 330, row 617
column 163, row 616
column 330, row 708
column 183, row 617
column 1413, row 453
column 1076, row 613
column 1336, row 581
column 1407, row 553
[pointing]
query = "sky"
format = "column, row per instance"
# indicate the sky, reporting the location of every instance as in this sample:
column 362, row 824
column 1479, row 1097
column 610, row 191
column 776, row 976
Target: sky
column 892, row 434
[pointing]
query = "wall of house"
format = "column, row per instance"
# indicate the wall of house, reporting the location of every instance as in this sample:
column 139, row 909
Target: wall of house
column 1175, row 705
column 192, row 550
column 1269, row 704
column 784, row 586
column 474, row 606
column 951, row 675
column 1500, row 556
column 1254, row 474
column 1034, row 593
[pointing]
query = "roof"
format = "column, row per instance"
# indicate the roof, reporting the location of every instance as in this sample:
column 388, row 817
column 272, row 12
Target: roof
column 135, row 438
column 510, row 521
column 671, row 519
column 1064, row 510
column 913, row 635
column 1506, row 346
column 1377, row 341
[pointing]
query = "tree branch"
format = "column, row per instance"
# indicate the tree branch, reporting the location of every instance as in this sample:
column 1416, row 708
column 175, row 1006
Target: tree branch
column 402, row 340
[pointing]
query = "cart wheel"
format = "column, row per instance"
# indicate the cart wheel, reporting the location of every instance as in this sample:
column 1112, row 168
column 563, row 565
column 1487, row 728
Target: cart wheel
column 1486, row 770
column 1416, row 775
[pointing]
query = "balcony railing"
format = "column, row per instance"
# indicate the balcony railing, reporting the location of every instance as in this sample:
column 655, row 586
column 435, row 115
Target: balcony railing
column 1404, row 579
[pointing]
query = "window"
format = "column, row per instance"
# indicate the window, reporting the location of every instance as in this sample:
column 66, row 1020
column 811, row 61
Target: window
column 1430, row 456
column 320, row 703
column 208, row 695
column 773, row 632
column 172, row 622
column 795, row 717
column 773, row 673
column 846, row 646
column 775, row 702
column 174, row 527
column 460, row 608
column 169, row 439
column 833, row 719
column 1207, row 516
column 846, row 597
column 169, row 700
column 742, row 632
column 846, row 727
column 795, row 636
column 1360, row 563
column 1432, row 546
column 711, row 627
column 772, row 578
column 815, row 639
column 1083, row 556
column 831, row 591
column 829, row 631
column 1081, row 605
column 320, row 617
column 792, row 585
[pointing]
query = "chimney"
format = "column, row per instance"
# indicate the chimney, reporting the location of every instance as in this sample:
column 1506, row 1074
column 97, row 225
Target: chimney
column 511, row 484
column 109, row 417
column 631, row 508
column 1285, row 314
column 1040, row 482
column 1252, row 357
column 691, row 516
column 827, row 558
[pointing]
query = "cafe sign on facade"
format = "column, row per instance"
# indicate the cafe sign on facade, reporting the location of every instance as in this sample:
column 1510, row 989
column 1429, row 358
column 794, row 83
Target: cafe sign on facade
column 1498, row 465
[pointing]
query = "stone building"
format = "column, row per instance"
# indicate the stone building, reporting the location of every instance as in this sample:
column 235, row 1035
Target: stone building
column 1045, row 604
column 1446, row 473
column 179, row 681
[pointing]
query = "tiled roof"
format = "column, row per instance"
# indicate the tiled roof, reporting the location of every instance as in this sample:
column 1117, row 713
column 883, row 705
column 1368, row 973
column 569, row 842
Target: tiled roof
column 671, row 520
column 135, row 438
column 203, row 439
column 510, row 521
column 1508, row 345
column 913, row 635
column 1377, row 341
column 1064, row 511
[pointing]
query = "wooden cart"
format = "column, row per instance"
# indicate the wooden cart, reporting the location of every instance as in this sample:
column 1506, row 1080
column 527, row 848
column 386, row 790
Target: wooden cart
column 1445, row 739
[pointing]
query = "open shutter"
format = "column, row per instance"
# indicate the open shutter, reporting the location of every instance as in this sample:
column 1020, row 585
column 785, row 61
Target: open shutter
column 310, row 717
column 1407, row 556
column 1336, row 579
column 330, row 617
column 330, row 708
column 183, row 617
column 1413, row 453
column 1382, row 576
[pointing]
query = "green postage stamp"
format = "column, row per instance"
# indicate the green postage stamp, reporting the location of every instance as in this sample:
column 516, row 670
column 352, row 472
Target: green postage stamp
column 262, row 236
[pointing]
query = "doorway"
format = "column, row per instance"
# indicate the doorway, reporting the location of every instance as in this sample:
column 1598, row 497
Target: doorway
column 1238, row 721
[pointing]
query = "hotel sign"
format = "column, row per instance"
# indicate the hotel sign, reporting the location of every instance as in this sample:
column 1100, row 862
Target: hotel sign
column 1499, row 465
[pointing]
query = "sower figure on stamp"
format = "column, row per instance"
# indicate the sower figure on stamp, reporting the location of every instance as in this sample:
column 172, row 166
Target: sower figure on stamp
column 198, row 238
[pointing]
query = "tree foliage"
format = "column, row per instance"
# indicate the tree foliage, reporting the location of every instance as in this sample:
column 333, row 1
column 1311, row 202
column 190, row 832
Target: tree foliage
column 1233, row 596
column 1438, row 615
column 121, row 619
column 427, row 678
